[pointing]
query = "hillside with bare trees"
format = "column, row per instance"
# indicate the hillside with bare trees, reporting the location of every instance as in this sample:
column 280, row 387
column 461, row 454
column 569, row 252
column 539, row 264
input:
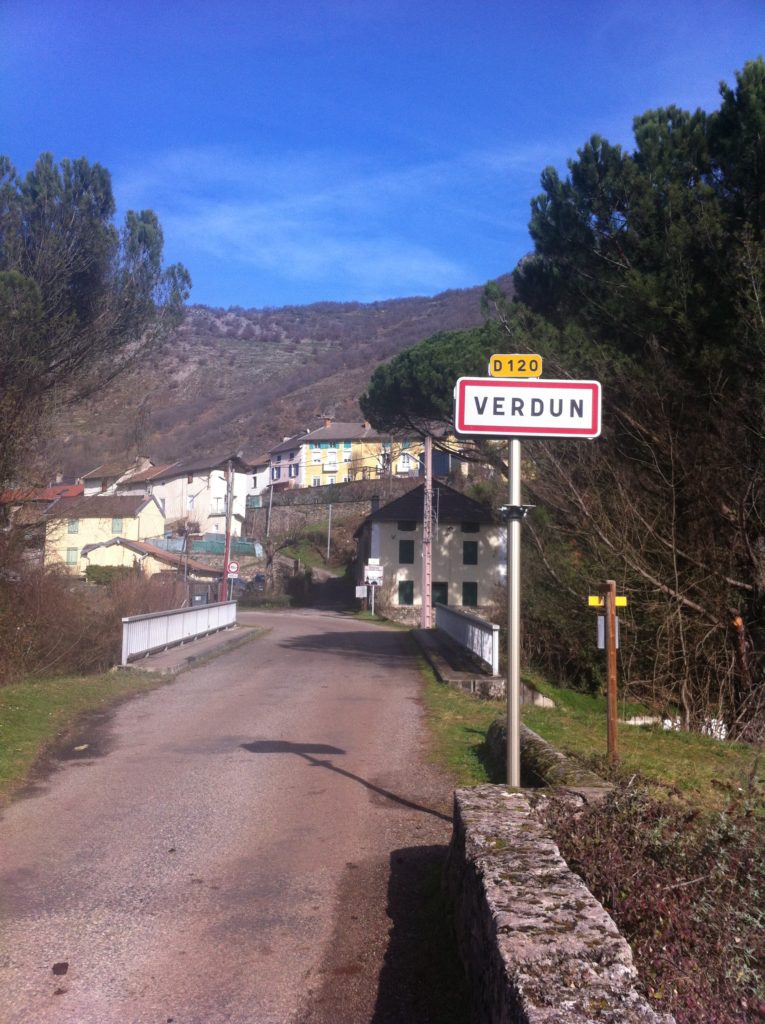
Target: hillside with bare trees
column 244, row 378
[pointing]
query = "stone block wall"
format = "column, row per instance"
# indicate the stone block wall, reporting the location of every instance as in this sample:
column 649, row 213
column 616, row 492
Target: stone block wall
column 537, row 945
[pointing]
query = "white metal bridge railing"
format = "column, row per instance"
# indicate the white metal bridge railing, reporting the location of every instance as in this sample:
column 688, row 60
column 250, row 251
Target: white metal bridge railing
column 144, row 634
column 477, row 635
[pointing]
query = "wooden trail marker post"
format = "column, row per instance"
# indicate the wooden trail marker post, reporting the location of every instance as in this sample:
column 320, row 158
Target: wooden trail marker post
column 608, row 601
column 513, row 402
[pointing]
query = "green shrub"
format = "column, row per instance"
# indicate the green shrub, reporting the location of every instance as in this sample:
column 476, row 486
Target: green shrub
column 103, row 575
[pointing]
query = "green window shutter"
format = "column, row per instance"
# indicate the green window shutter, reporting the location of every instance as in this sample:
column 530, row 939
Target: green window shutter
column 406, row 592
column 470, row 552
column 470, row 595
column 406, row 552
column 116, row 524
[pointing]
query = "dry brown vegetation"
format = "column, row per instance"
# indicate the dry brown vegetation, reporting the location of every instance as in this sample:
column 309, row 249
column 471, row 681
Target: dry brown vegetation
column 52, row 624
column 241, row 379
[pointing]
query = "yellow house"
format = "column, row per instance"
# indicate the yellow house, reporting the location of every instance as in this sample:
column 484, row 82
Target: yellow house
column 342, row 452
column 77, row 523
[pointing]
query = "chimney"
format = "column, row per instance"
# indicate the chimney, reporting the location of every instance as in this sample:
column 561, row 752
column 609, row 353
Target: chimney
column 366, row 424
column 327, row 421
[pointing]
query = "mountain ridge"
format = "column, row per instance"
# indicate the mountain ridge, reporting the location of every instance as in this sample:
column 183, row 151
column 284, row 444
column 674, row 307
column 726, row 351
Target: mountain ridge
column 242, row 379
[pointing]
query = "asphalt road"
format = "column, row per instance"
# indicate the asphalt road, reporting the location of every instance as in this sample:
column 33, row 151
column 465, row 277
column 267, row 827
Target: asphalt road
column 247, row 844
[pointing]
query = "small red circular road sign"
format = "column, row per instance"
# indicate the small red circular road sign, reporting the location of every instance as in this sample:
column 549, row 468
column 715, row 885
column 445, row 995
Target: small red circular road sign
column 233, row 568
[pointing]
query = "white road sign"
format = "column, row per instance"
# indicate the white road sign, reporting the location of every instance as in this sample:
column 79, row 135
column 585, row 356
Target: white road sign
column 500, row 407
column 233, row 568
column 373, row 575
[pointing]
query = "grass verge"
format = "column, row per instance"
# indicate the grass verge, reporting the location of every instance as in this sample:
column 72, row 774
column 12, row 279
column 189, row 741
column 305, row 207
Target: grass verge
column 707, row 772
column 458, row 722
column 34, row 712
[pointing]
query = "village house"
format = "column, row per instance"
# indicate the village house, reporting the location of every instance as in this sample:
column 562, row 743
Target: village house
column 193, row 493
column 73, row 524
column 469, row 550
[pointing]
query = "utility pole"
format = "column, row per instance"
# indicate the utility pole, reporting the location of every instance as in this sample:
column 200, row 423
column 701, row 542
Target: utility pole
column 223, row 596
column 329, row 531
column 426, row 616
column 270, row 502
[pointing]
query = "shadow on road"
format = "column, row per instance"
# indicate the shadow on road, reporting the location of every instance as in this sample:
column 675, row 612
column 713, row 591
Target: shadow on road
column 388, row 646
column 416, row 977
column 422, row 978
column 307, row 750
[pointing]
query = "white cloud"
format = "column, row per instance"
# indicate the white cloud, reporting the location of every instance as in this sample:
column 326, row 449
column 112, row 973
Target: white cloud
column 318, row 217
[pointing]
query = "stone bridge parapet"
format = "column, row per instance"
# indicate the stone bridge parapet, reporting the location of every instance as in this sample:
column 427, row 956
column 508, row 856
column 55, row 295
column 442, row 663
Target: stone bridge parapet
column 537, row 945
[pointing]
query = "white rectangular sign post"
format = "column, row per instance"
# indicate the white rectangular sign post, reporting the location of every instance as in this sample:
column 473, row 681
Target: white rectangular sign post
column 505, row 406
column 500, row 407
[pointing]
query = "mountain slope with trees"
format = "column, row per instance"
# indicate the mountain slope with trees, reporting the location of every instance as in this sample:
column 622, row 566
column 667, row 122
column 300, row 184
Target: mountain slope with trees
column 243, row 379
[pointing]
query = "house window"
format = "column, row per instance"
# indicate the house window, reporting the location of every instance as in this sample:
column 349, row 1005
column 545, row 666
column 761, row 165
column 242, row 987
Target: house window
column 333, row 444
column 347, row 456
column 347, row 444
column 470, row 552
column 406, row 552
column 190, row 478
column 406, row 525
column 73, row 526
column 470, row 527
column 347, row 478
column 332, row 480
column 316, row 481
column 406, row 592
column 294, row 470
column 116, row 524
column 71, row 556
column 470, row 595
column 292, row 455
column 439, row 593
column 405, row 460
column 316, row 457
column 275, row 472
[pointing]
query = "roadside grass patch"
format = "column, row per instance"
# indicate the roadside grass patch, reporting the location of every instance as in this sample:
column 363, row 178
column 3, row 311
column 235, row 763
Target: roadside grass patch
column 458, row 723
column 710, row 772
column 36, row 710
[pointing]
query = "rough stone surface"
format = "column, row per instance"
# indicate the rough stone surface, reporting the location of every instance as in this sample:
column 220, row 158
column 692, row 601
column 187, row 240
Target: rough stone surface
column 543, row 764
column 537, row 945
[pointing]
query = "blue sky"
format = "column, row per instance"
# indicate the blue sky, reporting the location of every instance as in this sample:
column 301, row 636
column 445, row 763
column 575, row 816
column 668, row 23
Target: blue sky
column 345, row 150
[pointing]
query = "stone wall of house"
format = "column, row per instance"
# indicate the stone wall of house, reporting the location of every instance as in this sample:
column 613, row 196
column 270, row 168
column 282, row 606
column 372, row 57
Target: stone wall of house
column 537, row 945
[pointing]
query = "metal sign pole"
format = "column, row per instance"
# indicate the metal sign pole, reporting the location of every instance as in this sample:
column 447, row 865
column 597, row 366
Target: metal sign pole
column 515, row 516
column 373, row 599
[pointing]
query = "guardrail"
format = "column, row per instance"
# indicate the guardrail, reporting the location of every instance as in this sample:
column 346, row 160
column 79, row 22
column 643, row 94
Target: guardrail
column 472, row 632
column 144, row 634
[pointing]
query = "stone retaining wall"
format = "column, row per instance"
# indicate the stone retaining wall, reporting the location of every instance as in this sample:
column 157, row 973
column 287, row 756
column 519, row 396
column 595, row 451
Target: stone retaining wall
column 537, row 945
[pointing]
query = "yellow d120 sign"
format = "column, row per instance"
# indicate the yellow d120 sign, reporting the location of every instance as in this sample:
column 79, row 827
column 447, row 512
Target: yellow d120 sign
column 519, row 365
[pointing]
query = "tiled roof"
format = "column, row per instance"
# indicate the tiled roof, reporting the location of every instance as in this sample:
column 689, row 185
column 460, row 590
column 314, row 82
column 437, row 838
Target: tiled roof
column 292, row 442
column 109, row 469
column 142, row 547
column 100, row 506
column 348, row 432
column 40, row 494
column 448, row 504
column 204, row 465
column 152, row 473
